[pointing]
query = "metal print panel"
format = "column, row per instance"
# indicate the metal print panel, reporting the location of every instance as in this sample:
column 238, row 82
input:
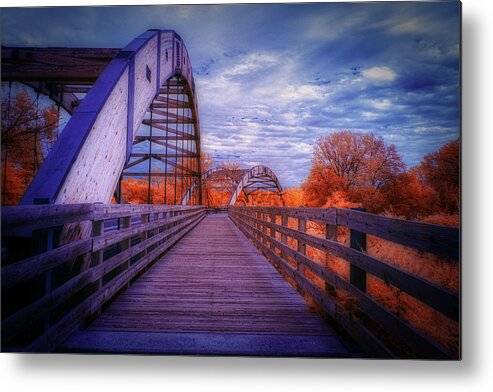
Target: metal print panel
column 252, row 180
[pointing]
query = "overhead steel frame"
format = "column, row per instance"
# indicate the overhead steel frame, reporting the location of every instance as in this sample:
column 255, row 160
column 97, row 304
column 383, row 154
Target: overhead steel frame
column 65, row 75
column 171, row 139
column 150, row 81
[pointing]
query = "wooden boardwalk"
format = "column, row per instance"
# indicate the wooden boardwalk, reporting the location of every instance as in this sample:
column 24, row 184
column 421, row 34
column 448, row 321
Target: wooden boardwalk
column 212, row 294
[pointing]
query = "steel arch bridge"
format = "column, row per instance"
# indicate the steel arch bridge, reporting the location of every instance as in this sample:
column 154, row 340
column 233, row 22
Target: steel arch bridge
column 134, row 113
column 236, row 181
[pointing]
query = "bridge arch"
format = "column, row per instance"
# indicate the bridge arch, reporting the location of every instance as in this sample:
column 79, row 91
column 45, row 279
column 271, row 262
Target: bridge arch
column 257, row 178
column 248, row 181
column 87, row 161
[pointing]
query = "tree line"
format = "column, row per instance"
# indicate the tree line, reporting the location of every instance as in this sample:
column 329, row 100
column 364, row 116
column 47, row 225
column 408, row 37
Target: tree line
column 361, row 169
column 348, row 169
column 29, row 130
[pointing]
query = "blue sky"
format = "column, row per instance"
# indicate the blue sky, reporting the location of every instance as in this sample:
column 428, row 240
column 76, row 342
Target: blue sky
column 271, row 78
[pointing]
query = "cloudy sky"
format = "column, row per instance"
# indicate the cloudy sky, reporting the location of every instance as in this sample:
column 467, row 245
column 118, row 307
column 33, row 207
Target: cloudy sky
column 271, row 78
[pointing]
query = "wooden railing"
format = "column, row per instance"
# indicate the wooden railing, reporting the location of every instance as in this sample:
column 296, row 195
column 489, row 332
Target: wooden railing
column 281, row 235
column 74, row 260
column 217, row 210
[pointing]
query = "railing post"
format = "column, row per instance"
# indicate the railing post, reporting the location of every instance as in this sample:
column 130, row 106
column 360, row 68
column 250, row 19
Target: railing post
column 301, row 248
column 126, row 221
column 284, row 237
column 272, row 232
column 284, row 223
column 357, row 240
column 144, row 219
column 43, row 241
column 97, row 256
column 330, row 234
column 166, row 217
column 302, row 228
column 156, row 217
column 264, row 227
column 257, row 225
column 125, row 244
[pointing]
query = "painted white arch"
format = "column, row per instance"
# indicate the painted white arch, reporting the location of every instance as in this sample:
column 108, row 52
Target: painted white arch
column 86, row 162
column 248, row 180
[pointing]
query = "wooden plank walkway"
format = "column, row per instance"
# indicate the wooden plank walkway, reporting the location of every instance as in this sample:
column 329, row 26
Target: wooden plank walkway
column 212, row 294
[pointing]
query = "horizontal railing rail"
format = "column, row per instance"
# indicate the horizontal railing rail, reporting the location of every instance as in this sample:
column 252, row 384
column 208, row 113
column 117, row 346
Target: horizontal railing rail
column 75, row 259
column 261, row 225
column 217, row 210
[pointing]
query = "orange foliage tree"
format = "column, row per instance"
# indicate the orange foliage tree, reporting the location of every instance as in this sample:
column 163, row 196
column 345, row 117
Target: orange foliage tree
column 262, row 198
column 206, row 161
column 352, row 164
column 356, row 170
column 408, row 197
column 135, row 190
column 28, row 133
column 293, row 197
column 441, row 170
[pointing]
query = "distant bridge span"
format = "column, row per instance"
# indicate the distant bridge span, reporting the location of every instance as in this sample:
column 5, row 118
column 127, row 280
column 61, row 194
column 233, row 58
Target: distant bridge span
column 248, row 181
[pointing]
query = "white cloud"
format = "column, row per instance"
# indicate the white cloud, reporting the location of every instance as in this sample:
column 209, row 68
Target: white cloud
column 380, row 74
column 414, row 25
column 251, row 63
column 383, row 104
column 302, row 93
column 331, row 25
column 253, row 163
column 454, row 50
column 369, row 114
column 434, row 52
column 304, row 148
